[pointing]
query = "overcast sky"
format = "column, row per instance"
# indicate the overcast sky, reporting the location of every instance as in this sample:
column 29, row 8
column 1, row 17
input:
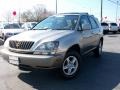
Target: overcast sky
column 91, row 6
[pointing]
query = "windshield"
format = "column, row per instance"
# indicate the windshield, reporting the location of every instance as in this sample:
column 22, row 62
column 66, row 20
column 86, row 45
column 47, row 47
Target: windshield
column 59, row 22
column 12, row 26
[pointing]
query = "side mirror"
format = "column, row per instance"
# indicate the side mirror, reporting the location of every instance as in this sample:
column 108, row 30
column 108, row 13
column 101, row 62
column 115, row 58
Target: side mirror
column 86, row 26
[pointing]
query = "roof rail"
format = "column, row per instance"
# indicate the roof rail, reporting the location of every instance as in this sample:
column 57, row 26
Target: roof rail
column 74, row 13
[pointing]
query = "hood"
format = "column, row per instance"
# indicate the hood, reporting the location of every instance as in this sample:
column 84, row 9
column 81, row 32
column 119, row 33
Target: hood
column 12, row 30
column 39, row 35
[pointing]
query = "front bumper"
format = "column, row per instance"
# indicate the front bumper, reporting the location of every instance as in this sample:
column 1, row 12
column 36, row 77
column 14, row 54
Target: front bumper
column 112, row 30
column 34, row 61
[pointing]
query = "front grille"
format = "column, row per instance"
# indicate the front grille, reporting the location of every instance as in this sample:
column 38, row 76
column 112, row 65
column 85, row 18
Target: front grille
column 21, row 44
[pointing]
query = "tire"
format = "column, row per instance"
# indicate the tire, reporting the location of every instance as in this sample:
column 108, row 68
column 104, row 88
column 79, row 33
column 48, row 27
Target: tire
column 115, row 32
column 98, row 50
column 105, row 32
column 71, row 65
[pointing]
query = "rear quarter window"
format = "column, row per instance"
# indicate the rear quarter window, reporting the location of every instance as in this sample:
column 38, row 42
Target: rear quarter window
column 94, row 24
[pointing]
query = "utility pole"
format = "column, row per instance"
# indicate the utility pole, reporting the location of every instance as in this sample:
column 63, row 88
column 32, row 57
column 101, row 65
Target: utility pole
column 56, row 7
column 117, row 11
column 101, row 10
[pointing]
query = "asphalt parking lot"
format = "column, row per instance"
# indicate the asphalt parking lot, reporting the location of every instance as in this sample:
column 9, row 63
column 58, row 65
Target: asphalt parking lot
column 96, row 73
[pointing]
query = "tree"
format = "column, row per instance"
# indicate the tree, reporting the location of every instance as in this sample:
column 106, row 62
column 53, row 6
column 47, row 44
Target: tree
column 38, row 13
column 27, row 16
column 8, row 16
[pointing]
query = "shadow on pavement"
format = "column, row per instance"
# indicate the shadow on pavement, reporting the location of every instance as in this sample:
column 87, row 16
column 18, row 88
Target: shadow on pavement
column 110, row 33
column 96, row 74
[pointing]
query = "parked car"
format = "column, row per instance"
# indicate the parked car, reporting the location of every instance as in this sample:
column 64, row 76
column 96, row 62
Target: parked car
column 105, row 27
column 28, row 25
column 9, row 30
column 2, row 24
column 113, row 27
column 59, row 41
column 119, row 27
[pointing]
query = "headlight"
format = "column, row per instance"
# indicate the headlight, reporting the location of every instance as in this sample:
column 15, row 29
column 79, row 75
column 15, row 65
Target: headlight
column 47, row 48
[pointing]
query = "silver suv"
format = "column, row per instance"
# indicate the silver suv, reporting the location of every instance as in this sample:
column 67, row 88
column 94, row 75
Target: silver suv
column 57, row 42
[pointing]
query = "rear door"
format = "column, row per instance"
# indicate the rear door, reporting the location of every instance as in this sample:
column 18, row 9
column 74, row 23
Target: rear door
column 95, row 30
column 86, row 34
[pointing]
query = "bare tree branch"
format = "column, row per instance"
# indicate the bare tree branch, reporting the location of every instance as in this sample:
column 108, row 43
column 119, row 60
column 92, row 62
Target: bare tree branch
column 38, row 13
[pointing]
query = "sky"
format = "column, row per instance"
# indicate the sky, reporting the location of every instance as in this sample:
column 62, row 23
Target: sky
column 90, row 6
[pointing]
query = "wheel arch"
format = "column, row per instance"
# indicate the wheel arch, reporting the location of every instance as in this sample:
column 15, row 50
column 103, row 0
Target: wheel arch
column 75, row 47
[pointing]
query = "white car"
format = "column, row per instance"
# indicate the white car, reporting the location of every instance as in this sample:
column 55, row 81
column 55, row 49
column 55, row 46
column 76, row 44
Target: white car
column 2, row 24
column 119, row 27
column 10, row 30
column 105, row 27
column 28, row 25
column 113, row 27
